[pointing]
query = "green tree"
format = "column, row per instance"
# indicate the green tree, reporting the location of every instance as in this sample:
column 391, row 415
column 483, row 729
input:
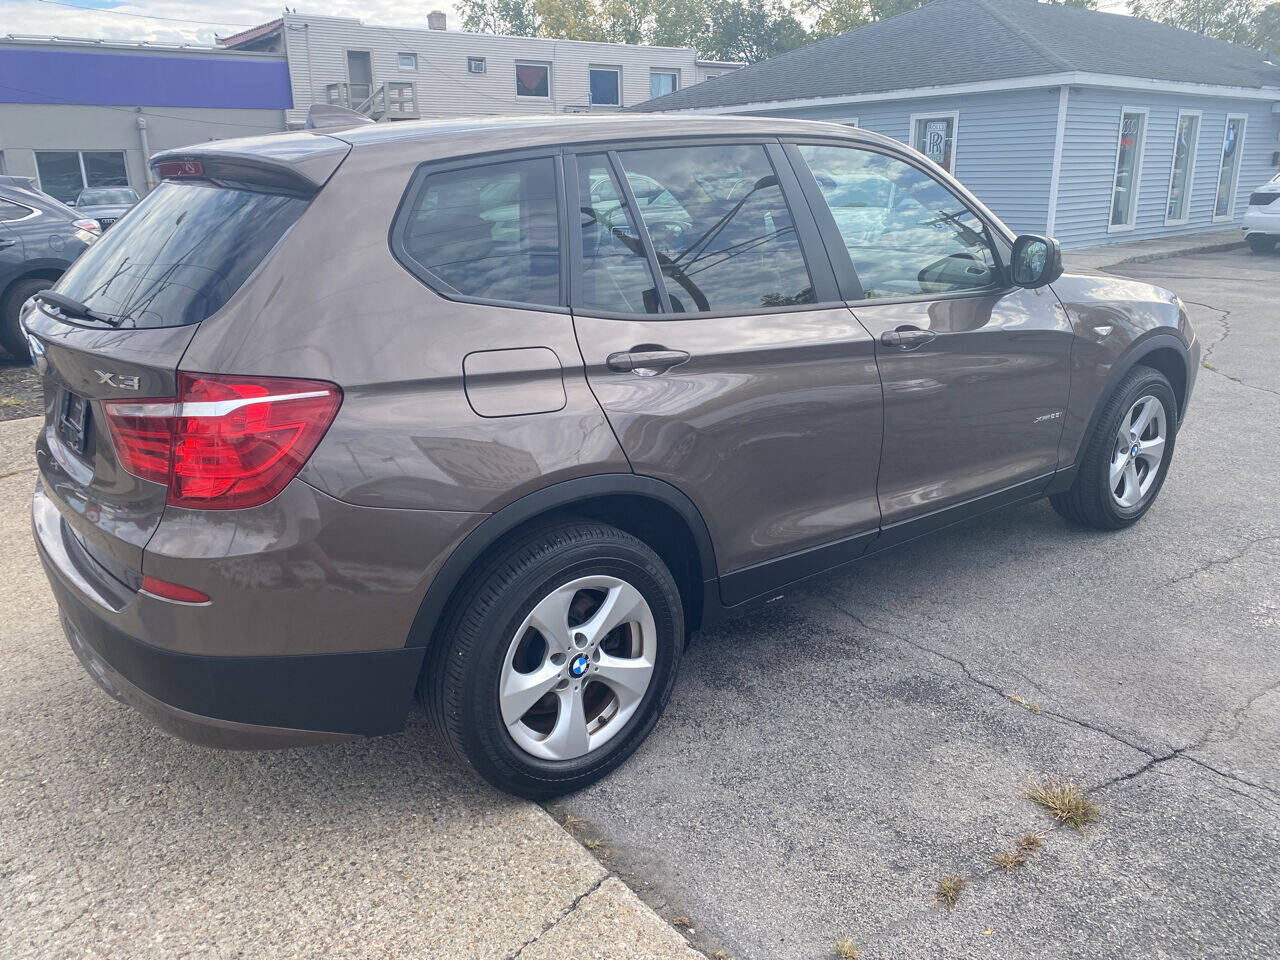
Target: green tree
column 1231, row 20
column 750, row 30
column 513, row 18
column 1266, row 30
column 567, row 19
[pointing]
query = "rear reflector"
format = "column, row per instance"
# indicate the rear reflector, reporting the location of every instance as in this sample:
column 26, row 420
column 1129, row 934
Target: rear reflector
column 172, row 591
column 224, row 443
column 180, row 168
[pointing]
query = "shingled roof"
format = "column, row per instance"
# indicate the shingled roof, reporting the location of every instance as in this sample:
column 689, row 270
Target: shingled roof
column 949, row 42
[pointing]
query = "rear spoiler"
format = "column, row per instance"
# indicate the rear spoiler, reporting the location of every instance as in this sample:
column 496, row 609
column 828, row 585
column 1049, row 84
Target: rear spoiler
column 296, row 162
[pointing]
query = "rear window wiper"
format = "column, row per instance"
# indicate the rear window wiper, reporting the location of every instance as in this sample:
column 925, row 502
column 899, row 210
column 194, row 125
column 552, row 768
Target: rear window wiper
column 74, row 308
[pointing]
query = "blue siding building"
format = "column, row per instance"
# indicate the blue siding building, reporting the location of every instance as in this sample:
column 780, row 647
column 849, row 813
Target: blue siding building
column 1088, row 126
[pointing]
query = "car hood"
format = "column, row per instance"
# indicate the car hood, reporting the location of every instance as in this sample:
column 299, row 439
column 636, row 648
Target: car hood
column 104, row 210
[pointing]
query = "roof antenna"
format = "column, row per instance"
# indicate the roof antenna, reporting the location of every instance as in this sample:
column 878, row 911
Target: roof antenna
column 328, row 116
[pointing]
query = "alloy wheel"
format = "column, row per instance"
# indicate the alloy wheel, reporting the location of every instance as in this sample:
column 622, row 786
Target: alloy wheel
column 578, row 667
column 1138, row 452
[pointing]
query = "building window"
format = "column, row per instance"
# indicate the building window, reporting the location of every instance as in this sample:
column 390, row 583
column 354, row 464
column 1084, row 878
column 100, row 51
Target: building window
column 662, row 82
column 533, row 80
column 852, row 122
column 64, row 173
column 407, row 61
column 1182, row 175
column 475, row 64
column 934, row 135
column 1124, row 189
column 606, row 87
column 1224, row 205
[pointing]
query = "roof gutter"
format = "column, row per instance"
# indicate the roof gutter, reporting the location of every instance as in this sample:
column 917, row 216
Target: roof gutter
column 1074, row 78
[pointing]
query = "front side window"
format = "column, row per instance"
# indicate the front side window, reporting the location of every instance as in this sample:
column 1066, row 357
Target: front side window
column 1224, row 204
column 935, row 137
column 533, row 80
column 1181, row 178
column 490, row 232
column 720, row 227
column 906, row 233
column 1124, row 192
column 615, row 271
column 662, row 82
column 606, row 87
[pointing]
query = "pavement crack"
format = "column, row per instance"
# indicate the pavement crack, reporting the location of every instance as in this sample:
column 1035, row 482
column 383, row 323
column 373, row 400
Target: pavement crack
column 1154, row 759
column 548, row 927
column 14, row 473
column 1249, row 544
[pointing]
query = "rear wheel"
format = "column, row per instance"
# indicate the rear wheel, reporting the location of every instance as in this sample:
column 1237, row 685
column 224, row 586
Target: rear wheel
column 557, row 659
column 1128, row 456
column 11, row 337
column 1261, row 244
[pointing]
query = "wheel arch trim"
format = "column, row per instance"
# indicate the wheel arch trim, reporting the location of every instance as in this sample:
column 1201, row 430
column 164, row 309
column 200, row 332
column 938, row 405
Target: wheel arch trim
column 558, row 496
column 1142, row 348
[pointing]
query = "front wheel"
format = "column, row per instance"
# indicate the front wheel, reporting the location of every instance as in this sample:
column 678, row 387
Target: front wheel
column 1128, row 456
column 1260, row 244
column 557, row 659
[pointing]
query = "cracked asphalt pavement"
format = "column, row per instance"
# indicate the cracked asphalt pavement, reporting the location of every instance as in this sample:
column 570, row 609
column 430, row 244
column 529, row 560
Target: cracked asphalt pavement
column 821, row 766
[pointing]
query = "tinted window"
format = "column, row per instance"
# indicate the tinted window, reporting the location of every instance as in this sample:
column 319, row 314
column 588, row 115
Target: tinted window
column 181, row 254
column 490, row 231
column 906, row 233
column 12, row 211
column 605, row 88
column 615, row 273
column 106, row 195
column 720, row 226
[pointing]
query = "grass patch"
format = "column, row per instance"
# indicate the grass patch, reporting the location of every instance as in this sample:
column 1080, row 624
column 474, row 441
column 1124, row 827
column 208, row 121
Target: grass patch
column 1023, row 702
column 1029, row 843
column 1008, row 862
column 1066, row 801
column 949, row 889
column 846, row 949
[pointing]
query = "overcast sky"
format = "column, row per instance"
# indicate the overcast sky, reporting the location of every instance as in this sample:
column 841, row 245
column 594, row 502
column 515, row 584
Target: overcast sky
column 196, row 21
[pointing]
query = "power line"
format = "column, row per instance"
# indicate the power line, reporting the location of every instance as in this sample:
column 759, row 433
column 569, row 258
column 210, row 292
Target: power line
column 146, row 16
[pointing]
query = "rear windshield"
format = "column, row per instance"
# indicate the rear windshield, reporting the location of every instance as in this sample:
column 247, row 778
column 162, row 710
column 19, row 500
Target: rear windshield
column 181, row 254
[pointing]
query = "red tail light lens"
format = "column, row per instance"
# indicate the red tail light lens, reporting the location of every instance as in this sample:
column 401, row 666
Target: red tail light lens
column 224, row 443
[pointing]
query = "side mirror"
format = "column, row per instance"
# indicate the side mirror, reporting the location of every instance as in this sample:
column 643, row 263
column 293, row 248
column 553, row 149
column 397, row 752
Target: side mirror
column 1035, row 261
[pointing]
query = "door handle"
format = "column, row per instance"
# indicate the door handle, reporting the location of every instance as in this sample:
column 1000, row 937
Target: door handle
column 5, row 244
column 645, row 363
column 907, row 337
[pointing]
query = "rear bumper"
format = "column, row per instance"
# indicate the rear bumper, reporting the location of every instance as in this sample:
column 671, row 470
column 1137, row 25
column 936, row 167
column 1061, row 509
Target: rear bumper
column 1261, row 222
column 226, row 701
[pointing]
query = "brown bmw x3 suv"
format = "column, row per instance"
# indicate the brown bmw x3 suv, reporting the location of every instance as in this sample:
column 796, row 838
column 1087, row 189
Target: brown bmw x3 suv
column 499, row 411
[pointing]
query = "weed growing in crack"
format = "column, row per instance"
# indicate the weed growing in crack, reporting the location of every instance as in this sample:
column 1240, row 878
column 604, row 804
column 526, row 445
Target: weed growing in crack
column 1065, row 800
column 1027, row 844
column 949, row 889
column 846, row 949
column 1023, row 702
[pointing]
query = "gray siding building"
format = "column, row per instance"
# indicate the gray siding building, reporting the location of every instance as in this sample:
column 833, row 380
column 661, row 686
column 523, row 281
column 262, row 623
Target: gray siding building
column 405, row 73
column 1089, row 126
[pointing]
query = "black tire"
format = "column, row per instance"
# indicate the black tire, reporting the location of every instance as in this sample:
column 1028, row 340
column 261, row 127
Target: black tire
column 11, row 336
column 460, row 682
column 1261, row 244
column 1089, row 501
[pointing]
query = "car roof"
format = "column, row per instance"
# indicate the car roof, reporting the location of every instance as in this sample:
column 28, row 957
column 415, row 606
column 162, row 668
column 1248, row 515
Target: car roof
column 477, row 134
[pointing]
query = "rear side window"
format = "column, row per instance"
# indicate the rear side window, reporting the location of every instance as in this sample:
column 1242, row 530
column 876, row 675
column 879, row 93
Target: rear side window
column 490, row 232
column 182, row 253
column 615, row 272
column 720, row 227
column 12, row 211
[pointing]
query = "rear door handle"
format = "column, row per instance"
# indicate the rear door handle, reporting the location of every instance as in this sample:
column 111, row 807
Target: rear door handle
column 645, row 363
column 5, row 244
column 907, row 338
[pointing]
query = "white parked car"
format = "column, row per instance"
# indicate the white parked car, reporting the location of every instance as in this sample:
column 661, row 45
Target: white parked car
column 1262, row 219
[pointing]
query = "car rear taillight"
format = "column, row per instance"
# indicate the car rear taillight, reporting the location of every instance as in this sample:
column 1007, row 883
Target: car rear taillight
column 224, row 442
